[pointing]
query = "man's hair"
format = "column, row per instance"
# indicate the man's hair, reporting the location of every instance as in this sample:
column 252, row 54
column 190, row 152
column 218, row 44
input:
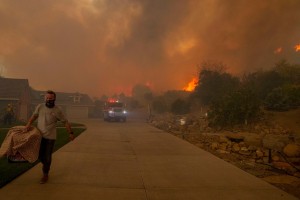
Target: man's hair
column 51, row 92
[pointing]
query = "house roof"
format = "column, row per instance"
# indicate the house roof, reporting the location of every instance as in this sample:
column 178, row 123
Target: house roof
column 63, row 98
column 12, row 88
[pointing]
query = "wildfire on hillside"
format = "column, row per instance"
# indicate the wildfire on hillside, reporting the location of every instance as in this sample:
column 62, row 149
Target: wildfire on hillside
column 297, row 48
column 191, row 85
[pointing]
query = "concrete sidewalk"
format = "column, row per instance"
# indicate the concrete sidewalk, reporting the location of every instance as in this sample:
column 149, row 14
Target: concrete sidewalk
column 134, row 161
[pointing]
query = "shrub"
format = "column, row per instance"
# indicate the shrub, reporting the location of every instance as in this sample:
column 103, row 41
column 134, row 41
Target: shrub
column 159, row 106
column 283, row 98
column 239, row 107
column 180, row 107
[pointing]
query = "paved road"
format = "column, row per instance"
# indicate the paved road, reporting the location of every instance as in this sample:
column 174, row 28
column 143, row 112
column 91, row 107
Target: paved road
column 134, row 161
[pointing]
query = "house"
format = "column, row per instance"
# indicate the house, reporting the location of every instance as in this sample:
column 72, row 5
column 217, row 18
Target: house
column 15, row 92
column 74, row 105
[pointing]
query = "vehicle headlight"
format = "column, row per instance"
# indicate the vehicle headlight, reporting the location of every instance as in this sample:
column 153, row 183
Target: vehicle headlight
column 124, row 111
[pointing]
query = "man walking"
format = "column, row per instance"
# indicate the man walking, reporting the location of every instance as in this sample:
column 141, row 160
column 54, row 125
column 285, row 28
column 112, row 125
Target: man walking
column 47, row 115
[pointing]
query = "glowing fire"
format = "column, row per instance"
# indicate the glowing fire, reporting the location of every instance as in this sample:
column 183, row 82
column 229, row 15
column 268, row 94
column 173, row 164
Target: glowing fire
column 191, row 85
column 297, row 47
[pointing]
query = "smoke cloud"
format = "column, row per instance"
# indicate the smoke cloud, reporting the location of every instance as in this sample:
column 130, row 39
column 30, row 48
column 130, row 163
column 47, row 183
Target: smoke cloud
column 108, row 46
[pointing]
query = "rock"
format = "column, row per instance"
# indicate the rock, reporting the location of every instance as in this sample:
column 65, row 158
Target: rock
column 253, row 139
column 234, row 137
column 275, row 142
column 242, row 144
column 244, row 151
column 266, row 160
column 283, row 179
column 294, row 160
column 222, row 151
column 252, row 148
column 297, row 139
column 223, row 139
column 223, row 146
column 276, row 158
column 282, row 165
column 297, row 174
column 236, row 147
column 229, row 144
column 259, row 153
column 214, row 146
column 292, row 150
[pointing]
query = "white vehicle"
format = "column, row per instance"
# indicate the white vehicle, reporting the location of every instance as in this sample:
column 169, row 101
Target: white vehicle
column 114, row 111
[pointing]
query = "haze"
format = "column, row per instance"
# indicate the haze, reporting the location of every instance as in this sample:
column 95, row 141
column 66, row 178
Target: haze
column 108, row 46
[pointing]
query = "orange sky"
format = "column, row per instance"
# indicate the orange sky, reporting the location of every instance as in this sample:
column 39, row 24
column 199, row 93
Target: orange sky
column 108, row 46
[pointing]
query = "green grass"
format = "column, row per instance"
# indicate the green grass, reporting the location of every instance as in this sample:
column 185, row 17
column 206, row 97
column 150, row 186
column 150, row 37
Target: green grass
column 9, row 171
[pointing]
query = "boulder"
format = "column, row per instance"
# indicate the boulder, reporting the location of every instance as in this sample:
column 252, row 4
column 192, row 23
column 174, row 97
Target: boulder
column 223, row 139
column 252, row 148
column 292, row 150
column 253, row 139
column 276, row 158
column 236, row 147
column 259, row 153
column 283, row 165
column 234, row 137
column 244, row 151
column 297, row 174
column 223, row 146
column 222, row 151
column 275, row 142
column 214, row 146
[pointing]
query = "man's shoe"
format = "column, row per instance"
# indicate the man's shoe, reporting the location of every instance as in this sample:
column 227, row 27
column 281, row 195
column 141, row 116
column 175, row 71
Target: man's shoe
column 44, row 179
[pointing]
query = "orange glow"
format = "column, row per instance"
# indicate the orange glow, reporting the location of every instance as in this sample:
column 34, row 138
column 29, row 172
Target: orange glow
column 191, row 85
column 278, row 50
column 297, row 47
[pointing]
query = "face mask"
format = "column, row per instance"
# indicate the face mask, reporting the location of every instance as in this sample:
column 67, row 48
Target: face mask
column 50, row 103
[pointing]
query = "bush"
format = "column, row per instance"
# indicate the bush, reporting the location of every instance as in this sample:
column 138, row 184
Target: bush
column 180, row 107
column 283, row 98
column 239, row 107
column 159, row 106
column 214, row 83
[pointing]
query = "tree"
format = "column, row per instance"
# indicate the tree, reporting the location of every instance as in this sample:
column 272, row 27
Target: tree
column 142, row 94
column 288, row 72
column 214, row 84
column 263, row 82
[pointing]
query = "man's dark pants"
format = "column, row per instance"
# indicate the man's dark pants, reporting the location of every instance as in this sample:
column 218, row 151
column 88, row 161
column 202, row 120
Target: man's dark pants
column 45, row 154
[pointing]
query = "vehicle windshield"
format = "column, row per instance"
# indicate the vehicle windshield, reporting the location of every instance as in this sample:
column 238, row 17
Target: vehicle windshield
column 114, row 104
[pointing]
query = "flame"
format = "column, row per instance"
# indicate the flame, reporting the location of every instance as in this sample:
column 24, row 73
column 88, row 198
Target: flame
column 297, row 47
column 191, row 85
column 278, row 50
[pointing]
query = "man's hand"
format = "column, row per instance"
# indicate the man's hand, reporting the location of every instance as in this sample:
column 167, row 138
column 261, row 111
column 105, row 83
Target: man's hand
column 71, row 136
column 27, row 128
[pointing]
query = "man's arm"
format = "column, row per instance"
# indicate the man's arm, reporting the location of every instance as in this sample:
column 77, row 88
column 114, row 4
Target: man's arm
column 69, row 130
column 30, row 121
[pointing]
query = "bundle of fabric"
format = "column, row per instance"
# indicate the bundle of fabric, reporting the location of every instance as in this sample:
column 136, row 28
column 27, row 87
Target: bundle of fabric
column 20, row 146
